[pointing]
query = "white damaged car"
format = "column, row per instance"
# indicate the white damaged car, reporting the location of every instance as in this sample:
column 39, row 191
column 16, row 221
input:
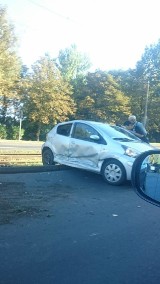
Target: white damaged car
column 94, row 146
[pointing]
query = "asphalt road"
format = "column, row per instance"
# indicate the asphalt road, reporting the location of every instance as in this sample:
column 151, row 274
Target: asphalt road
column 85, row 232
column 11, row 144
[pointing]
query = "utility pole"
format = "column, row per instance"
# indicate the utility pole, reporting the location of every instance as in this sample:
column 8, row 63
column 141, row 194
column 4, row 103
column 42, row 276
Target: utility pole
column 20, row 122
column 146, row 105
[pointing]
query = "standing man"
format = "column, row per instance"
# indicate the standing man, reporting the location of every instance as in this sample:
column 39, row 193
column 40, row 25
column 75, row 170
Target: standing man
column 138, row 128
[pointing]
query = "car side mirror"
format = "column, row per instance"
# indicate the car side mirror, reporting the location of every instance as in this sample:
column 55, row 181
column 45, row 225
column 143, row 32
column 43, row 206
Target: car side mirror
column 94, row 137
column 145, row 176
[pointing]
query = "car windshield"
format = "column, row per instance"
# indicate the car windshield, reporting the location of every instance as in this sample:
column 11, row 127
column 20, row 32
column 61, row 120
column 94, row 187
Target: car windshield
column 126, row 132
column 118, row 133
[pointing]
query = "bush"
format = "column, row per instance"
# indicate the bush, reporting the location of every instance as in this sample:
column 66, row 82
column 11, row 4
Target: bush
column 13, row 133
column 3, row 131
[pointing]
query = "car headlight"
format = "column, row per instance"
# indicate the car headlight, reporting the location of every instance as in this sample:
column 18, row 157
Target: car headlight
column 131, row 152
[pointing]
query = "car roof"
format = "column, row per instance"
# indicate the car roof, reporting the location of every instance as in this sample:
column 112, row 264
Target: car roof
column 84, row 121
column 122, row 130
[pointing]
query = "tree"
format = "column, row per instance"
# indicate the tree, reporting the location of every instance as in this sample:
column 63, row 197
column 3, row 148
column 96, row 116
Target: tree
column 72, row 63
column 48, row 98
column 148, row 71
column 133, row 87
column 9, row 64
column 99, row 97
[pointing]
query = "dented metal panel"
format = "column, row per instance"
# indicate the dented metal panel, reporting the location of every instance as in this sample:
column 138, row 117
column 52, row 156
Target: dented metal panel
column 84, row 153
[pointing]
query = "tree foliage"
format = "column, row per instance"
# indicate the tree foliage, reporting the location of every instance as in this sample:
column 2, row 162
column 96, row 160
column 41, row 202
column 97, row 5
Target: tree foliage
column 48, row 98
column 100, row 98
column 134, row 88
column 60, row 89
column 72, row 63
column 148, row 72
column 9, row 64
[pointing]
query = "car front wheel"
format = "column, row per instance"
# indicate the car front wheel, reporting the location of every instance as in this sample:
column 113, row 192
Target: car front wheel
column 47, row 157
column 113, row 172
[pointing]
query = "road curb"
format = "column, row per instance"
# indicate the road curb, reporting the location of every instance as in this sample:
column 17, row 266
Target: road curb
column 31, row 169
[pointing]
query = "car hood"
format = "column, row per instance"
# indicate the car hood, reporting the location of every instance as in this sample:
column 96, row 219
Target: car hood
column 139, row 146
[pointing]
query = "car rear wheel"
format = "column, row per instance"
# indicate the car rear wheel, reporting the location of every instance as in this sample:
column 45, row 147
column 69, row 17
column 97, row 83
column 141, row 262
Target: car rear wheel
column 47, row 157
column 113, row 172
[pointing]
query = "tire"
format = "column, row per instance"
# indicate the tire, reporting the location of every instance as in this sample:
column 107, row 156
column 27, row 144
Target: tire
column 113, row 172
column 47, row 157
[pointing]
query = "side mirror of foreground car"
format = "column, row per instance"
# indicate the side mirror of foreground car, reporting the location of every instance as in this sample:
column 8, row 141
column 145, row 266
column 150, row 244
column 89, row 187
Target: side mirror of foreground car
column 146, row 176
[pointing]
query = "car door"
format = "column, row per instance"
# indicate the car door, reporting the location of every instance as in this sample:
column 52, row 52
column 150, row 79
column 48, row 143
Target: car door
column 85, row 147
column 61, row 141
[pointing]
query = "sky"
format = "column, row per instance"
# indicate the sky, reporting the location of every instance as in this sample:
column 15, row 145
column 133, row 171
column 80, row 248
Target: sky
column 112, row 33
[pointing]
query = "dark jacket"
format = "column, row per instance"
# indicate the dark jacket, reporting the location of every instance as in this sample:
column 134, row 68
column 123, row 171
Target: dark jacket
column 139, row 128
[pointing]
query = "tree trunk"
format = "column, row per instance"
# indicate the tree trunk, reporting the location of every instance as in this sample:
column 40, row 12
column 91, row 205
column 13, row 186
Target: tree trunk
column 38, row 131
column 4, row 110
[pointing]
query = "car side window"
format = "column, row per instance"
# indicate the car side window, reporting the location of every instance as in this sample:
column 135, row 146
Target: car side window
column 64, row 129
column 83, row 132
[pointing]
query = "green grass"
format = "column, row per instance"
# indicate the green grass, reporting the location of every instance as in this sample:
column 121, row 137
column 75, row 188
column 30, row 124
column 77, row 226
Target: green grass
column 19, row 151
column 20, row 141
column 20, row 160
column 20, row 157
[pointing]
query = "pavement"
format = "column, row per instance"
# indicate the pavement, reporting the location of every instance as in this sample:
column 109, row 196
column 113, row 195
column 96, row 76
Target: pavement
column 70, row 227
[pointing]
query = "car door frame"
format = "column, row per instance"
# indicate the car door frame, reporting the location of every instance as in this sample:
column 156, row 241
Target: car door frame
column 76, row 156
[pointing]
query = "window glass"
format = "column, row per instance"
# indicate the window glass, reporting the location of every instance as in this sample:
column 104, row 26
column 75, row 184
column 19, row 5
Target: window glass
column 64, row 129
column 83, row 131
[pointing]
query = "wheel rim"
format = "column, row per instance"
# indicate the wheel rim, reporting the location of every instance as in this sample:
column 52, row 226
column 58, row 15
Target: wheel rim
column 113, row 173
